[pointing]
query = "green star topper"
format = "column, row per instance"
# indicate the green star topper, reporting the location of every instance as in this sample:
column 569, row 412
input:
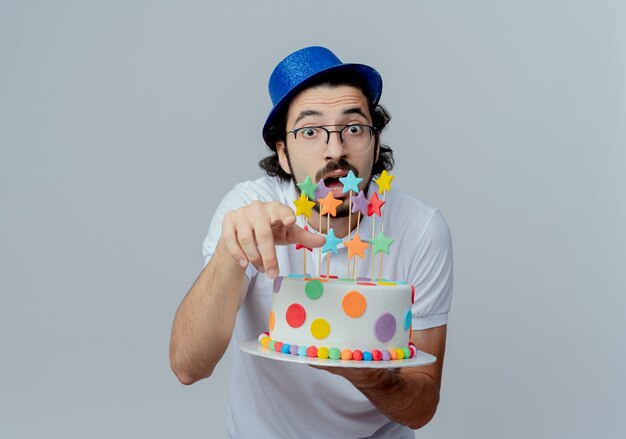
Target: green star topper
column 381, row 243
column 307, row 187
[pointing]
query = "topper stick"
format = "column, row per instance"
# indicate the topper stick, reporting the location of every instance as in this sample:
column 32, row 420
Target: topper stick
column 328, row 255
column 303, row 207
column 304, row 263
column 349, row 227
column 380, row 273
column 382, row 229
column 373, row 255
column 350, row 214
column 349, row 267
column 319, row 252
column 382, row 213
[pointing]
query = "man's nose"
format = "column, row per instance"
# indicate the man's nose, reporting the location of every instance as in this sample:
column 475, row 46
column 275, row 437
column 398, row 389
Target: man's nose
column 335, row 147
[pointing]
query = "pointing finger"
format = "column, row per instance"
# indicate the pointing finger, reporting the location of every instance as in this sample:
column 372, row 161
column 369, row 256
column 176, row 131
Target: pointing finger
column 298, row 235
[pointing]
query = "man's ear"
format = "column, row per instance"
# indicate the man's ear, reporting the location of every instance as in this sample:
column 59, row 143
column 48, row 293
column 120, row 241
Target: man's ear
column 282, row 156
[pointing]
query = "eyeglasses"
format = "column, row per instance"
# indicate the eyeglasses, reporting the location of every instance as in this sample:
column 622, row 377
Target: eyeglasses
column 354, row 137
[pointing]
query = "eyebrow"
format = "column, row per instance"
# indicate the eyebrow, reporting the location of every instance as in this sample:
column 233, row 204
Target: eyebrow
column 306, row 113
column 355, row 110
column 348, row 111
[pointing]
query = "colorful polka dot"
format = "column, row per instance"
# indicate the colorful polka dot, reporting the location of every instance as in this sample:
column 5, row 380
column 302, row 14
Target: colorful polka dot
column 277, row 284
column 295, row 315
column 354, row 304
column 408, row 317
column 272, row 320
column 314, row 289
column 320, row 329
column 385, row 327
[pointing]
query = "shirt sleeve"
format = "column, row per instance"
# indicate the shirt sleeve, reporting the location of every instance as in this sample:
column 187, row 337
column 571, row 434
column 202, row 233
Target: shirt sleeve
column 236, row 198
column 432, row 273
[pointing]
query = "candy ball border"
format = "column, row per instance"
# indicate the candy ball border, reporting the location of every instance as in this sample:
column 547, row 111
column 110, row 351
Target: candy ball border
column 333, row 353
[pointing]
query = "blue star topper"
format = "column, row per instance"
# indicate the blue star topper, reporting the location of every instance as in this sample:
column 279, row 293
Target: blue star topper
column 331, row 242
column 350, row 182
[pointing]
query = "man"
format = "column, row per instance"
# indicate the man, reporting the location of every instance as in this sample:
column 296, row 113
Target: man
column 325, row 122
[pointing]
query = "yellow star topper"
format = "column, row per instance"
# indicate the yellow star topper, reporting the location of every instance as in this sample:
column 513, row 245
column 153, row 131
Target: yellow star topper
column 384, row 182
column 303, row 206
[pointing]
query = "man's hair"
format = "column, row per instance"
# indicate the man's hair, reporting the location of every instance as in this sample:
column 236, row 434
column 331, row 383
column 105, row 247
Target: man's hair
column 380, row 119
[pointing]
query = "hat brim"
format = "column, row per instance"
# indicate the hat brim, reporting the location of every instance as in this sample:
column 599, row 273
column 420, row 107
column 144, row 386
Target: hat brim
column 371, row 77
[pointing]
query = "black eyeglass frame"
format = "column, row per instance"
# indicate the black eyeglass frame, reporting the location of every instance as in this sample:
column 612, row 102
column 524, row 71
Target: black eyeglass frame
column 328, row 132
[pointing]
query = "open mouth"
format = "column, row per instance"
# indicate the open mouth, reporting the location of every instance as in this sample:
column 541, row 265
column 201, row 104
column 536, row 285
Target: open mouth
column 332, row 182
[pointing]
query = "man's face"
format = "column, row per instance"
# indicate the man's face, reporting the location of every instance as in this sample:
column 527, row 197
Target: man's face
column 339, row 105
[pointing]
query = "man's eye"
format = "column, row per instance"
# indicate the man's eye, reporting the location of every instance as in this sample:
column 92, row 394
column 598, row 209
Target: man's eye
column 309, row 133
column 355, row 129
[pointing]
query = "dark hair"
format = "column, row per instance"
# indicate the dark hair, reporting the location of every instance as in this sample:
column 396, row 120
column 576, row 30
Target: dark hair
column 380, row 119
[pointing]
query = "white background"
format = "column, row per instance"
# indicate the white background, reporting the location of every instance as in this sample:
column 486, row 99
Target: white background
column 122, row 124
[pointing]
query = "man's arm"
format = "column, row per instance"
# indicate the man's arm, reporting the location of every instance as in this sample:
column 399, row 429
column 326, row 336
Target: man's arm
column 408, row 395
column 204, row 321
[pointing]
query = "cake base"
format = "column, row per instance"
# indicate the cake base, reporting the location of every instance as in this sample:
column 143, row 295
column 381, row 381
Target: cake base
column 254, row 348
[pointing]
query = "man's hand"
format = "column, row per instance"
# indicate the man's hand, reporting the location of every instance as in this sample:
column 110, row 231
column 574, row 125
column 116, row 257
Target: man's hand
column 407, row 395
column 360, row 377
column 251, row 233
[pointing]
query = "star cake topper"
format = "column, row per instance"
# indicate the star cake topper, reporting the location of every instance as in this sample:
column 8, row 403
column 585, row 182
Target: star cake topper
column 384, row 181
column 360, row 204
column 350, row 182
column 375, row 205
column 308, row 188
column 329, row 204
column 321, row 190
column 331, row 242
column 303, row 206
column 356, row 247
column 381, row 243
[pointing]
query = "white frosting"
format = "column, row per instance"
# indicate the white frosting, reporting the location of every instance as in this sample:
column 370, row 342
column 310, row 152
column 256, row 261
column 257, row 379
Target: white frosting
column 345, row 332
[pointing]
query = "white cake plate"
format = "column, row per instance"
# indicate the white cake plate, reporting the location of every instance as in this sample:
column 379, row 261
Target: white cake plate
column 254, row 347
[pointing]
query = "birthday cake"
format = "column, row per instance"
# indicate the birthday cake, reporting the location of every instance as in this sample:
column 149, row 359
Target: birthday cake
column 352, row 318
column 340, row 319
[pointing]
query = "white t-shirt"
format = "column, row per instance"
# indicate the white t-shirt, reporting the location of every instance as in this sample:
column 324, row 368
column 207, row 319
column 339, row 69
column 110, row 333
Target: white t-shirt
column 276, row 399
